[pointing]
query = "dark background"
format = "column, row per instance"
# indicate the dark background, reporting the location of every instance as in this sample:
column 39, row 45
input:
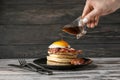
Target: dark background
column 30, row 26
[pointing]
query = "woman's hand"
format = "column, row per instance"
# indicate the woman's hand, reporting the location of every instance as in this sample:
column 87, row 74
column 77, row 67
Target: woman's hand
column 96, row 8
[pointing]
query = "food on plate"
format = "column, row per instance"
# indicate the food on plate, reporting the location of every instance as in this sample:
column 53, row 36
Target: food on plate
column 77, row 61
column 61, row 53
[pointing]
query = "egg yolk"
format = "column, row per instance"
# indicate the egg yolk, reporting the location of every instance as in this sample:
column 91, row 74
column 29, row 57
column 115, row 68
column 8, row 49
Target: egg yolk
column 61, row 43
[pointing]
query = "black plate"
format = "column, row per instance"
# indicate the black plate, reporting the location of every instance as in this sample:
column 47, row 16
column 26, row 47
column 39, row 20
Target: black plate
column 42, row 62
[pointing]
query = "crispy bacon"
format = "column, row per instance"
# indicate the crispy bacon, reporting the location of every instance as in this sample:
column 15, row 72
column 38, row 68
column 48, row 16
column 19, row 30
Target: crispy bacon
column 77, row 61
column 63, row 50
column 80, row 61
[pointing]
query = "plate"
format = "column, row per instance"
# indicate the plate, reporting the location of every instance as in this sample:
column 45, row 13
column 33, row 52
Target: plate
column 43, row 62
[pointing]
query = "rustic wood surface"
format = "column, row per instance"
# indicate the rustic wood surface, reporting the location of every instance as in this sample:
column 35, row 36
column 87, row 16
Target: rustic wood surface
column 100, row 69
column 30, row 26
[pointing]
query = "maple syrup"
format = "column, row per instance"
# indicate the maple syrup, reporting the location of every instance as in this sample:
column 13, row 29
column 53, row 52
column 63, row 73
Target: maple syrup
column 73, row 30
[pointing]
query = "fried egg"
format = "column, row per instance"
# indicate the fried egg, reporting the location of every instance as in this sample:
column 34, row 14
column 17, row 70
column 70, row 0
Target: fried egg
column 59, row 44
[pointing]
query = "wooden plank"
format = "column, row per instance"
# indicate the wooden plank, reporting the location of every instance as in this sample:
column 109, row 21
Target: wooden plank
column 44, row 34
column 38, row 14
column 41, row 2
column 46, row 14
column 20, row 51
column 35, row 76
column 38, row 51
column 106, row 71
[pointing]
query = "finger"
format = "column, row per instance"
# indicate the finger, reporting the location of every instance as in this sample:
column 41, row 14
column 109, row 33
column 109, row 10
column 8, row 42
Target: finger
column 86, row 9
column 88, row 24
column 92, row 23
column 92, row 14
column 96, row 20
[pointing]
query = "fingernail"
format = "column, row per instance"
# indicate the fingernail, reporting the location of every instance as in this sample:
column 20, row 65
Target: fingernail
column 96, row 24
column 85, row 20
column 92, row 26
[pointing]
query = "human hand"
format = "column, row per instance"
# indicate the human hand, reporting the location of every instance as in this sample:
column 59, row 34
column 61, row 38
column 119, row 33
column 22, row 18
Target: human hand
column 96, row 8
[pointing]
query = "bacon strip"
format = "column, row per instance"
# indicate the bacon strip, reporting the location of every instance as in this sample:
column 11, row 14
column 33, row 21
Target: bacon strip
column 81, row 61
column 77, row 61
column 63, row 50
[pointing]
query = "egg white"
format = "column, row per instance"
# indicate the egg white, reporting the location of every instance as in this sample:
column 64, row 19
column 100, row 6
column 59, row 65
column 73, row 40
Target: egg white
column 58, row 46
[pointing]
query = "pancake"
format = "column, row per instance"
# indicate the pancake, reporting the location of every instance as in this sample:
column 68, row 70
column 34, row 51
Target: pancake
column 63, row 56
column 57, row 63
column 63, row 53
column 62, row 60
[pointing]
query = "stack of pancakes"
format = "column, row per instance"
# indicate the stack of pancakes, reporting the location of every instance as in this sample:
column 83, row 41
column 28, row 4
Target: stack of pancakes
column 60, row 53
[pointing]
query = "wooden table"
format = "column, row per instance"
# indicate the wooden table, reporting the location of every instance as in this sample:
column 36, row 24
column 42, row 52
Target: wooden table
column 100, row 69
